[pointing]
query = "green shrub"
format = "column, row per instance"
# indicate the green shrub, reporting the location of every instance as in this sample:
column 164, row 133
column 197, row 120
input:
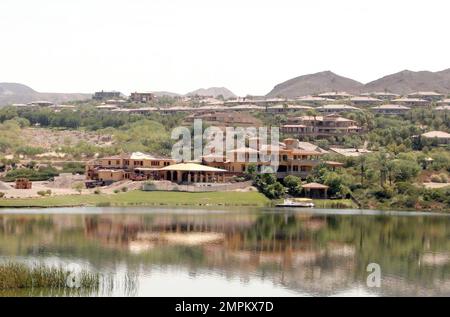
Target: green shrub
column 74, row 168
column 41, row 174
column 435, row 178
column 444, row 178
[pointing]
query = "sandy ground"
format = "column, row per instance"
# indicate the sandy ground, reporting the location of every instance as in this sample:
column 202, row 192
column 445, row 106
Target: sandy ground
column 44, row 186
column 435, row 185
column 37, row 186
column 52, row 138
column 64, row 186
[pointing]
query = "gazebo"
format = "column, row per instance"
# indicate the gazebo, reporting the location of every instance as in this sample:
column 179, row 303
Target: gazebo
column 192, row 173
column 316, row 190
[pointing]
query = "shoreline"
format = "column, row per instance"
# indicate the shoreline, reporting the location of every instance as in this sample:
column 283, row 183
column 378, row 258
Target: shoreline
column 138, row 198
column 141, row 198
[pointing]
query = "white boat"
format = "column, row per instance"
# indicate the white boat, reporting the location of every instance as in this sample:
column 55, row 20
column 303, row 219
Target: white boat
column 299, row 202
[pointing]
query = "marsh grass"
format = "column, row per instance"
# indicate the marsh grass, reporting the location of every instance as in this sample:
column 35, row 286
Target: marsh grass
column 22, row 276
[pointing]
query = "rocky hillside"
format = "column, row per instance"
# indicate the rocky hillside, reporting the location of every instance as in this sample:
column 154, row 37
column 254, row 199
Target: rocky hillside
column 17, row 93
column 403, row 82
column 315, row 83
column 407, row 81
column 213, row 92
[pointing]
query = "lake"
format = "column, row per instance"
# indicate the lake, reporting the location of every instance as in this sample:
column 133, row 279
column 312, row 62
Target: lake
column 234, row 252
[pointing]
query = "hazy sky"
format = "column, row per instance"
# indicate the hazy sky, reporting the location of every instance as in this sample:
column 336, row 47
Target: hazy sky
column 247, row 46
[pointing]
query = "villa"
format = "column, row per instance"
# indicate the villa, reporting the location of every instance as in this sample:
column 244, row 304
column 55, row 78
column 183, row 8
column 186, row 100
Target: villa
column 134, row 166
column 443, row 108
column 330, row 125
column 294, row 158
column 381, row 95
column 411, row 102
column 224, row 119
column 102, row 95
column 427, row 95
column 287, row 108
column 141, row 97
column 350, row 152
column 444, row 102
column 364, row 101
column 440, row 136
column 335, row 95
column 391, row 109
column 313, row 100
column 41, row 103
column 337, row 108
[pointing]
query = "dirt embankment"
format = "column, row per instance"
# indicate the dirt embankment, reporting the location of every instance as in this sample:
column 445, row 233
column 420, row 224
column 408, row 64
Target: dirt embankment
column 52, row 139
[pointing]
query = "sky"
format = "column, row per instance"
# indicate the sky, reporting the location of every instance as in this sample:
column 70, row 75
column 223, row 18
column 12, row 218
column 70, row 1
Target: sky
column 248, row 46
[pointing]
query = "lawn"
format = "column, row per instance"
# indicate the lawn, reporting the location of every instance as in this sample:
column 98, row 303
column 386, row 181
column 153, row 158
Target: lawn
column 141, row 198
column 335, row 203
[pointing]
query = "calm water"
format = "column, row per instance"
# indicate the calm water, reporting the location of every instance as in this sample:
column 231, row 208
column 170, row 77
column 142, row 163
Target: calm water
column 264, row 252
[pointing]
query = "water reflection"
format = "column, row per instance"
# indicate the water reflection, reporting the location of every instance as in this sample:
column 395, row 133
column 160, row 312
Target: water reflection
column 238, row 253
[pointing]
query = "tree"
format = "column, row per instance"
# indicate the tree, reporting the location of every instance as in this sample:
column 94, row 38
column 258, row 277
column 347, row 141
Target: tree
column 293, row 184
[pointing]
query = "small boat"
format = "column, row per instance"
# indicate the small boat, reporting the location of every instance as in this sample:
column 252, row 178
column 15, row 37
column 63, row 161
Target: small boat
column 299, row 202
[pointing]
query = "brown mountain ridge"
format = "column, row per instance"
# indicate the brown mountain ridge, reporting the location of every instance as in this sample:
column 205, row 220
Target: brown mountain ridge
column 402, row 83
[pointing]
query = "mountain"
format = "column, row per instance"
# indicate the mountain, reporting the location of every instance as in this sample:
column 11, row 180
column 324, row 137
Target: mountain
column 315, row 83
column 165, row 94
column 402, row 83
column 213, row 92
column 17, row 93
column 407, row 81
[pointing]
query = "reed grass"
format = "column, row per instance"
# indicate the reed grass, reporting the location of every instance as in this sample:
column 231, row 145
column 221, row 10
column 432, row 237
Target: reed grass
column 22, row 276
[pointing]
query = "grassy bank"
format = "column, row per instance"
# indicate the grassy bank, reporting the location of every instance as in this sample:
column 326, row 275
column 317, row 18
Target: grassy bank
column 335, row 203
column 141, row 198
column 21, row 276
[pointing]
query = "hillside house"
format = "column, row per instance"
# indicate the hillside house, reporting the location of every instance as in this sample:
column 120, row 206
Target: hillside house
column 350, row 152
column 427, row 95
column 440, row 136
column 381, row 95
column 313, row 100
column 294, row 158
column 335, row 95
column 365, row 101
column 40, row 103
column 329, row 125
column 134, row 166
column 105, row 95
column 225, row 119
column 411, row 102
column 444, row 102
column 141, row 97
column 287, row 108
column 336, row 108
column 390, row 109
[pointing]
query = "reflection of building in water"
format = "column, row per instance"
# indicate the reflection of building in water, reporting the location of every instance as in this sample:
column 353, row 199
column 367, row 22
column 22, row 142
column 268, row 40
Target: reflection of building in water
column 303, row 252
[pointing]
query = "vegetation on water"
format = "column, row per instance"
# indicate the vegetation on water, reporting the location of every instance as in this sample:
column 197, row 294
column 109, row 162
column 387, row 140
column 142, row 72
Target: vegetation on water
column 142, row 198
column 19, row 276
